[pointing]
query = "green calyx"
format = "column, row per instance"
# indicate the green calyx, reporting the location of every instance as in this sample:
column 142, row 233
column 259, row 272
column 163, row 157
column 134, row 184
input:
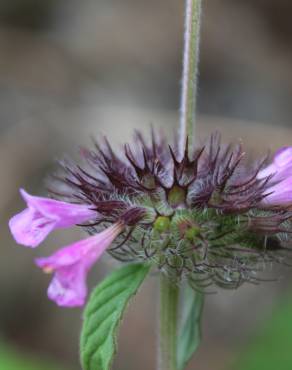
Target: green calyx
column 192, row 232
column 162, row 224
column 176, row 196
column 202, row 245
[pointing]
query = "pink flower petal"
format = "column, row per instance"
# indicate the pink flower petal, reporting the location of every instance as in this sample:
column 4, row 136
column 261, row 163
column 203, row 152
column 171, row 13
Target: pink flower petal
column 66, row 214
column 281, row 193
column 71, row 265
column 283, row 157
column 31, row 226
column 281, row 167
column 281, row 182
column 267, row 171
column 68, row 287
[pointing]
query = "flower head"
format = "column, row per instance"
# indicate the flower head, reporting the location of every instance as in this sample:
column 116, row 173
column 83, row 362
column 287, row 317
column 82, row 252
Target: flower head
column 210, row 217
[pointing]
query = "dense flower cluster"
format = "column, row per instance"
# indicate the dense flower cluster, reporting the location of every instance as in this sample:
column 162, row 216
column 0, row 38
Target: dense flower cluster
column 211, row 218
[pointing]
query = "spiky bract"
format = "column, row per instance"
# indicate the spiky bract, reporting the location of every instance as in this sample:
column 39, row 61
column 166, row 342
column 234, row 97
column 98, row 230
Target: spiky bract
column 200, row 217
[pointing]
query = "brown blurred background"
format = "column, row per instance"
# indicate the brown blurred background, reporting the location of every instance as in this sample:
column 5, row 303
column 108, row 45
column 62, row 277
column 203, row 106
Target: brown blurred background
column 69, row 69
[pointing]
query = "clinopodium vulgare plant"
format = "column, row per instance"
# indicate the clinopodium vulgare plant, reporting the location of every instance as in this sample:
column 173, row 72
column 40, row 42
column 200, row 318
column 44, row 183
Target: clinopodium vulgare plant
column 198, row 216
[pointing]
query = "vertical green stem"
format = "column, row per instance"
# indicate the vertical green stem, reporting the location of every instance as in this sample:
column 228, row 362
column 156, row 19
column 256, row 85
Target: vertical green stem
column 193, row 9
column 169, row 292
column 169, row 297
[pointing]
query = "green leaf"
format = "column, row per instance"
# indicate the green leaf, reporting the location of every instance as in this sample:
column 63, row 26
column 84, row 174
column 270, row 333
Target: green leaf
column 103, row 314
column 190, row 326
column 270, row 349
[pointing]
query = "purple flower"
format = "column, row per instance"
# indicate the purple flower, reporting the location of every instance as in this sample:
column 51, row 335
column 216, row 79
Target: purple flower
column 280, row 194
column 281, row 167
column 280, row 189
column 42, row 215
column 71, row 265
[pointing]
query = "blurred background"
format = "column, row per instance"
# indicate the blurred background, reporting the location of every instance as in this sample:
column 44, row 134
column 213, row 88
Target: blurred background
column 71, row 69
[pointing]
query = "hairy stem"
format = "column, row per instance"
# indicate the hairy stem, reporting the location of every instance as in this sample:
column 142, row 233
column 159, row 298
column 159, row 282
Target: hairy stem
column 169, row 297
column 190, row 72
column 169, row 291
